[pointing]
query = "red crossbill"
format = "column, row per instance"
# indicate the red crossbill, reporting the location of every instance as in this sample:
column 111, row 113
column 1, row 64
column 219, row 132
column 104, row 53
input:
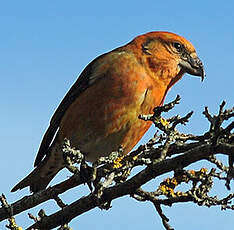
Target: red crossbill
column 100, row 111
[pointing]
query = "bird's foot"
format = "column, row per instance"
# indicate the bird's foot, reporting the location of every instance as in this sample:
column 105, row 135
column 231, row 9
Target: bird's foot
column 88, row 174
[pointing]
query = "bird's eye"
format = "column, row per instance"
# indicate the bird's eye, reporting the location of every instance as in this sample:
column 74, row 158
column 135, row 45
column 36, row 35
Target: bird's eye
column 178, row 47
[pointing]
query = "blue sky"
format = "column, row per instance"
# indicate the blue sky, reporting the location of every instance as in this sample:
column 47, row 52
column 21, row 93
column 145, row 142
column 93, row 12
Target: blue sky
column 44, row 45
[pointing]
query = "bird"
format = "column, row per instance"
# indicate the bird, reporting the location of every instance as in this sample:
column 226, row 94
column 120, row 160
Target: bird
column 100, row 111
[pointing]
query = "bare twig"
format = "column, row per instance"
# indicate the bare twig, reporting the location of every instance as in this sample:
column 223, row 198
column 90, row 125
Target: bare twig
column 165, row 220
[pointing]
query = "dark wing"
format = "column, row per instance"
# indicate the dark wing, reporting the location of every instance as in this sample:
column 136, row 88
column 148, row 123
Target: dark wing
column 83, row 82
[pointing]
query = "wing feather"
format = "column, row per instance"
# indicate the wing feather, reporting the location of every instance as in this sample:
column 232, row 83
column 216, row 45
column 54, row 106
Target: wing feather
column 85, row 80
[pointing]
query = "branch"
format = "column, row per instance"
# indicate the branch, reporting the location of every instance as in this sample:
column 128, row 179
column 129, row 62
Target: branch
column 130, row 186
column 169, row 150
column 12, row 224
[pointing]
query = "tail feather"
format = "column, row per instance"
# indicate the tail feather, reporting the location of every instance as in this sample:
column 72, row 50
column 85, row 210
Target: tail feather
column 34, row 181
column 41, row 176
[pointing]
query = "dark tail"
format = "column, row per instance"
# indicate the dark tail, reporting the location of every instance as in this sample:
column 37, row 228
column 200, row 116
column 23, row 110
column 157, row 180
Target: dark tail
column 41, row 176
column 34, row 181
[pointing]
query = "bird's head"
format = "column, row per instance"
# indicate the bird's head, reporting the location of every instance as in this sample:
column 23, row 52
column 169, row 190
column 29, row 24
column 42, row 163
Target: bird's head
column 168, row 52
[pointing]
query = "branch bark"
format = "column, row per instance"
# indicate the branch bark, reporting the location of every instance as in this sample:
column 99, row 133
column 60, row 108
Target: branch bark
column 130, row 186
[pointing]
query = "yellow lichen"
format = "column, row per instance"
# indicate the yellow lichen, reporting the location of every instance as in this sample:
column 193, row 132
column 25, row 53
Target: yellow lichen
column 163, row 121
column 179, row 193
column 174, row 181
column 171, row 192
column 167, row 187
column 13, row 224
column 169, row 184
column 117, row 163
column 167, row 191
column 167, row 180
column 135, row 157
column 163, row 188
column 203, row 170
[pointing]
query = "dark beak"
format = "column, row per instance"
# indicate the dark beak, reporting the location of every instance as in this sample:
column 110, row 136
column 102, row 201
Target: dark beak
column 193, row 66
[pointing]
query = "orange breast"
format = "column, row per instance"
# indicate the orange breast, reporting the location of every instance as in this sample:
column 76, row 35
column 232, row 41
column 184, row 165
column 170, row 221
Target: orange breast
column 105, row 116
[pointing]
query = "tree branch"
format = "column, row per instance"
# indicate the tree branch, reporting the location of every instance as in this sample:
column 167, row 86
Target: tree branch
column 168, row 151
column 130, row 186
